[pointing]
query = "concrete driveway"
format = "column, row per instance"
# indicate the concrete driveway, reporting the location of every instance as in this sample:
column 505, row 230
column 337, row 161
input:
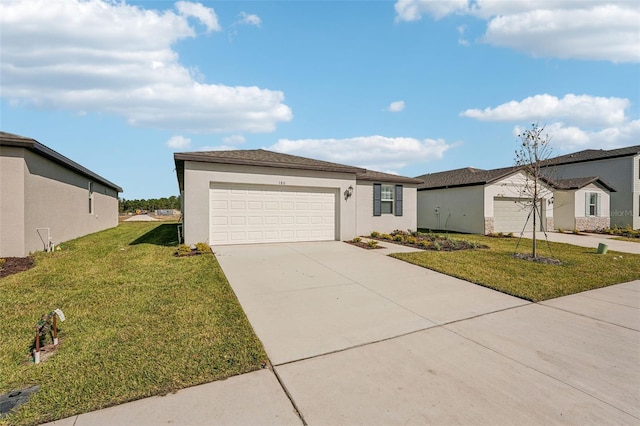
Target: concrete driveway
column 588, row 240
column 360, row 338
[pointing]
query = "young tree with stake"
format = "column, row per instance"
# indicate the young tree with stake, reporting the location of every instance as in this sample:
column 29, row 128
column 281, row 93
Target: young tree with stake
column 531, row 156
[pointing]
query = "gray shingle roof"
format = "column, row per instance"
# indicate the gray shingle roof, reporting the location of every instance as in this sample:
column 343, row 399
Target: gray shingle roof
column 261, row 157
column 594, row 154
column 467, row 176
column 264, row 158
column 9, row 139
column 372, row 176
column 578, row 183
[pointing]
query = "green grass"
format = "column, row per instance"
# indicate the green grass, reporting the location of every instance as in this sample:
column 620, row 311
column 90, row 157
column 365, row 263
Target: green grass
column 582, row 269
column 140, row 322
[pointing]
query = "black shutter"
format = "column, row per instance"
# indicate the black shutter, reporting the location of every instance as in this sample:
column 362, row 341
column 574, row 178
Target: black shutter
column 398, row 201
column 377, row 199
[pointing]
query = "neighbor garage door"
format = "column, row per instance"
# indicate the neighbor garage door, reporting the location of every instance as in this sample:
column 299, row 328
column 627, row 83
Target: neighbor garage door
column 242, row 214
column 510, row 215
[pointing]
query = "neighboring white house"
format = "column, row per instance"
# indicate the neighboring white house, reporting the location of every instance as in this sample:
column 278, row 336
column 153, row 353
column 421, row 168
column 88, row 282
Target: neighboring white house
column 620, row 168
column 480, row 201
column 256, row 196
column 46, row 199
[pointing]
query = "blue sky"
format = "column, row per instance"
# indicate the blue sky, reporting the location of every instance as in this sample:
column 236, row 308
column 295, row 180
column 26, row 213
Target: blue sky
column 407, row 87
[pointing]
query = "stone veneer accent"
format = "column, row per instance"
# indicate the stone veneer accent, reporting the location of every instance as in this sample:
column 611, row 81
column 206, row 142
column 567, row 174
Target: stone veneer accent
column 592, row 223
column 550, row 224
column 488, row 225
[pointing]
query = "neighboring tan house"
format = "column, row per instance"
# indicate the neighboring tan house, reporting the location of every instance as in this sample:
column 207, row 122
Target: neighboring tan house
column 259, row 196
column 620, row 168
column 582, row 204
column 480, row 201
column 46, row 199
column 487, row 201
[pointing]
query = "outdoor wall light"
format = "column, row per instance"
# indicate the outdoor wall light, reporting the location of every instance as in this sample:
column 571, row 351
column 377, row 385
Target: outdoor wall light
column 348, row 192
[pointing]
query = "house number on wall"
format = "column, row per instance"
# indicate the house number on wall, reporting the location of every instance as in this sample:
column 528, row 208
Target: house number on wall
column 282, row 182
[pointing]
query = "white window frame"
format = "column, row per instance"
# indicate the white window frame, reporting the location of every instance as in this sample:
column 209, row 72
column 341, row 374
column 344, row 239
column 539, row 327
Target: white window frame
column 592, row 204
column 386, row 200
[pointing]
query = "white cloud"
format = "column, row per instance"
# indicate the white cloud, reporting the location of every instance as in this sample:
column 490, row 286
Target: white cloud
column 412, row 10
column 579, row 29
column 234, row 140
column 83, row 56
column 571, row 138
column 250, row 19
column 179, row 142
column 575, row 122
column 372, row 152
column 204, row 14
column 574, row 109
column 396, row 106
column 462, row 29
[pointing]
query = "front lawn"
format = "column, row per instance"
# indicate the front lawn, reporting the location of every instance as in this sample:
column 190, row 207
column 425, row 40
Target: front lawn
column 139, row 322
column 581, row 269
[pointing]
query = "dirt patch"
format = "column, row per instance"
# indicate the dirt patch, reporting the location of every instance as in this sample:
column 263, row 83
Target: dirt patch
column 13, row 265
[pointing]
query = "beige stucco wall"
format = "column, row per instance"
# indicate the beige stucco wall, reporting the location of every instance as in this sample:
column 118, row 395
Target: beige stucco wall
column 12, row 207
column 52, row 197
column 564, row 208
column 198, row 177
column 623, row 174
column 367, row 222
column 453, row 209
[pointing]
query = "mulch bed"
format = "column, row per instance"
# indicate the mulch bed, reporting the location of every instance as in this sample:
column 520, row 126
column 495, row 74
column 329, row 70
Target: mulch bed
column 364, row 245
column 13, row 265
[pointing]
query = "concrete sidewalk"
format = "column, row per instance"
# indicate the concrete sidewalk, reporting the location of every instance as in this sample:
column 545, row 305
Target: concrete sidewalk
column 357, row 338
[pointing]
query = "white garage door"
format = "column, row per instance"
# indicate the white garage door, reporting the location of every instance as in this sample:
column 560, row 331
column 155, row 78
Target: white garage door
column 510, row 215
column 242, row 214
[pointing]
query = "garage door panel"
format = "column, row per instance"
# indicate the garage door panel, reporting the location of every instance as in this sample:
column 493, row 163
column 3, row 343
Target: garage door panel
column 510, row 215
column 242, row 213
column 256, row 220
column 271, row 220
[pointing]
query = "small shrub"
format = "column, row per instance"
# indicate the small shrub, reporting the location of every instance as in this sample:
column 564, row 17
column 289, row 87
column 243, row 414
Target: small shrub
column 372, row 243
column 424, row 243
column 356, row 240
column 183, row 250
column 386, row 237
column 2, row 262
column 399, row 238
column 203, row 247
column 411, row 240
column 436, row 246
column 576, row 231
column 375, row 234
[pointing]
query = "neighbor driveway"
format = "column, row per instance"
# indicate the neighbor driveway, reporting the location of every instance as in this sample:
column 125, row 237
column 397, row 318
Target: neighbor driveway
column 588, row 240
column 356, row 337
